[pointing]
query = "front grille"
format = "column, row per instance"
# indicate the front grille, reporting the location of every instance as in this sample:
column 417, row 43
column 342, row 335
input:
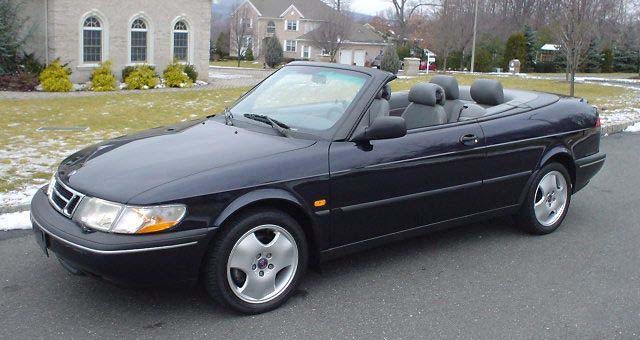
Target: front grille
column 64, row 199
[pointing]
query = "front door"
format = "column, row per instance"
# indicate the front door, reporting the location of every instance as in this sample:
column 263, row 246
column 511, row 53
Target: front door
column 426, row 177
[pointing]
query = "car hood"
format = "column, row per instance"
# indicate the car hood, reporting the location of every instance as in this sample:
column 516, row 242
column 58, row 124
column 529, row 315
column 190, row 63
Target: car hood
column 121, row 168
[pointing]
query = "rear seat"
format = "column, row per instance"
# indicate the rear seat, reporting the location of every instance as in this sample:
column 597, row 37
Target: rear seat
column 425, row 107
column 453, row 105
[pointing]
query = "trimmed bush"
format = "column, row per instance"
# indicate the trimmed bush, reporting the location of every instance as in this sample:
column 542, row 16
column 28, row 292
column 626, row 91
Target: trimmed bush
column 273, row 55
column 175, row 76
column 190, row 70
column 102, row 78
column 142, row 78
column 248, row 54
column 55, row 78
column 390, row 61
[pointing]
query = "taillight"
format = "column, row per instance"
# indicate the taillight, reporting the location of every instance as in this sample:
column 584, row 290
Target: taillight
column 598, row 122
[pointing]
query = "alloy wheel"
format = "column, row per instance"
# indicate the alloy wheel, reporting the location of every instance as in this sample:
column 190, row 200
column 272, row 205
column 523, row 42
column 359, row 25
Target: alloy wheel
column 262, row 263
column 551, row 198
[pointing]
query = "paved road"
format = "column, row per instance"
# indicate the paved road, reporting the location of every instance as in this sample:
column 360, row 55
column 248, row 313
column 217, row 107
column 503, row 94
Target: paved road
column 482, row 281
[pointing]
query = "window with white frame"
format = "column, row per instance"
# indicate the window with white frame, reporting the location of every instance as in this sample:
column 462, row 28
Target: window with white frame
column 291, row 25
column 290, row 45
column 271, row 27
column 306, row 52
column 324, row 52
column 247, row 23
column 92, row 40
column 139, row 41
column 181, row 41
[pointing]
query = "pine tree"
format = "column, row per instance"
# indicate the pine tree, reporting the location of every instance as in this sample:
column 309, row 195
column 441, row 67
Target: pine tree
column 607, row 60
column 390, row 61
column 273, row 52
column 593, row 58
column 248, row 54
column 516, row 48
column 222, row 45
column 532, row 48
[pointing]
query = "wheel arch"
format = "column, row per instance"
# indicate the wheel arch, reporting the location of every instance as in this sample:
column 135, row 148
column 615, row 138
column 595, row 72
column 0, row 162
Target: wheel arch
column 281, row 200
column 562, row 155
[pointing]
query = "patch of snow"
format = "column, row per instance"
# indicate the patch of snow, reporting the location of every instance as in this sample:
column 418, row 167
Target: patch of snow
column 18, row 197
column 201, row 83
column 15, row 221
column 633, row 128
column 215, row 75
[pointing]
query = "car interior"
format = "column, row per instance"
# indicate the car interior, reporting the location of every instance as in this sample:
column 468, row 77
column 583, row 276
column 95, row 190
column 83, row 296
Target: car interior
column 443, row 101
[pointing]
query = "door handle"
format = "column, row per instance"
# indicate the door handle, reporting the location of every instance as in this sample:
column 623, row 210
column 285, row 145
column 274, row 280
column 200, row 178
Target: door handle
column 469, row 140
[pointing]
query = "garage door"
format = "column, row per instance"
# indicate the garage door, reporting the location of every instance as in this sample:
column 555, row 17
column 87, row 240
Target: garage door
column 359, row 57
column 345, row 57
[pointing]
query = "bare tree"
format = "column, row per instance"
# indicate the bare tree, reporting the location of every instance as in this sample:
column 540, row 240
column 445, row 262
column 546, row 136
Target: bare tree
column 241, row 30
column 339, row 5
column 575, row 25
column 403, row 10
column 332, row 33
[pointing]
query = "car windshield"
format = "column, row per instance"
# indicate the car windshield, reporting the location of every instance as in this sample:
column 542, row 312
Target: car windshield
column 304, row 98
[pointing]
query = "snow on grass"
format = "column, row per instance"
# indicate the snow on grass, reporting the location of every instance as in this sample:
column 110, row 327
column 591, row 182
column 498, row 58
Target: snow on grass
column 15, row 221
column 18, row 197
column 214, row 75
column 633, row 128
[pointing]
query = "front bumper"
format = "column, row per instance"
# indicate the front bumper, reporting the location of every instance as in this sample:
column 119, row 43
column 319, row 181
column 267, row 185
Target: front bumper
column 158, row 259
column 586, row 168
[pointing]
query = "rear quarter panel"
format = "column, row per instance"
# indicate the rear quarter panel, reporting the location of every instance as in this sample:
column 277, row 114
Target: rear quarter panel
column 520, row 141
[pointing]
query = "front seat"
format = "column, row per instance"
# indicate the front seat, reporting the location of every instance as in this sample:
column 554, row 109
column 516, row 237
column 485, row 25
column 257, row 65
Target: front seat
column 487, row 92
column 380, row 105
column 453, row 106
column 425, row 106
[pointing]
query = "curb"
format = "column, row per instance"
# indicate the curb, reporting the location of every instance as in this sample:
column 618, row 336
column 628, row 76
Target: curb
column 606, row 130
column 618, row 127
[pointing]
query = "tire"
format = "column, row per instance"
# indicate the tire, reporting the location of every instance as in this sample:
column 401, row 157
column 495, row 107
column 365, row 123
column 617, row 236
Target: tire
column 547, row 201
column 258, row 249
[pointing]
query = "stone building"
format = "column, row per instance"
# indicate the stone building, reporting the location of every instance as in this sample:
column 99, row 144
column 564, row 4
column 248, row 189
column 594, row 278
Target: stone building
column 84, row 33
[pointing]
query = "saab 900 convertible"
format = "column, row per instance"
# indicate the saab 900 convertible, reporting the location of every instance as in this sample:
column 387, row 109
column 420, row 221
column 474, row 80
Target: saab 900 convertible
column 317, row 161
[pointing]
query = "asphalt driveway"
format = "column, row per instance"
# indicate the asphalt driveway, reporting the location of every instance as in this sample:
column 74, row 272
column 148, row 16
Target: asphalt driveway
column 481, row 281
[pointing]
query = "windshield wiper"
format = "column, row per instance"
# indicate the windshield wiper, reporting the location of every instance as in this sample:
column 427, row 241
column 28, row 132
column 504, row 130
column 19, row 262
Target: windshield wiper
column 281, row 127
column 228, row 117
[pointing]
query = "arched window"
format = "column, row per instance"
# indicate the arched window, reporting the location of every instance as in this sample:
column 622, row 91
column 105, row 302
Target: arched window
column 92, row 40
column 139, row 41
column 271, row 27
column 181, row 41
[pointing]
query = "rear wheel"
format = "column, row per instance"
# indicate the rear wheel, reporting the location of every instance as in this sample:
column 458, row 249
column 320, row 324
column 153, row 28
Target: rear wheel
column 547, row 201
column 257, row 263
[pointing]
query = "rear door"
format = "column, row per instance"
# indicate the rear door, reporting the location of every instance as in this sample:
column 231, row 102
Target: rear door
column 427, row 177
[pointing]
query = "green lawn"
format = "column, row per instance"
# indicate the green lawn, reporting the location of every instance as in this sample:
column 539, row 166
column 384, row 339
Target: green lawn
column 234, row 63
column 27, row 156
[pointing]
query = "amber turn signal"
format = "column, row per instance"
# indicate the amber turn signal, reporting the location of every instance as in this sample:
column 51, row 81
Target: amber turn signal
column 320, row 203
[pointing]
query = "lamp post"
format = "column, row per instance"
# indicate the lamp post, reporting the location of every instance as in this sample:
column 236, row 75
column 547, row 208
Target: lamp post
column 475, row 32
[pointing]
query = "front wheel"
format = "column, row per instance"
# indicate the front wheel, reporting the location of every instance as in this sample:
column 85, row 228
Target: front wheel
column 257, row 263
column 547, row 201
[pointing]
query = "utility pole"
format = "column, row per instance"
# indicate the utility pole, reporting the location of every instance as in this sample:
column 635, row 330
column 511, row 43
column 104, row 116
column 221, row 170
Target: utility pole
column 475, row 32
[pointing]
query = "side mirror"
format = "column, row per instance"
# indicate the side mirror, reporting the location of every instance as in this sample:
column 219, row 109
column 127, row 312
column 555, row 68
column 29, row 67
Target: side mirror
column 386, row 127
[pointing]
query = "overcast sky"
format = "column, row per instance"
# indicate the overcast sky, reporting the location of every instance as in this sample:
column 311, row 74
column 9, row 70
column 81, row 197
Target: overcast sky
column 369, row 6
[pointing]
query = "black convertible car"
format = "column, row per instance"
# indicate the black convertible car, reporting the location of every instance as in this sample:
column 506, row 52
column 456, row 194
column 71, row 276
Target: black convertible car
column 317, row 161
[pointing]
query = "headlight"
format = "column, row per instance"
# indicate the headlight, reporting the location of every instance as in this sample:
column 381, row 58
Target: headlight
column 107, row 216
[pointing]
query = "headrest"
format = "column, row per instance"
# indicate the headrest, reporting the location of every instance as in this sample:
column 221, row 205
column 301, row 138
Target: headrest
column 487, row 92
column 427, row 94
column 449, row 84
column 384, row 93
